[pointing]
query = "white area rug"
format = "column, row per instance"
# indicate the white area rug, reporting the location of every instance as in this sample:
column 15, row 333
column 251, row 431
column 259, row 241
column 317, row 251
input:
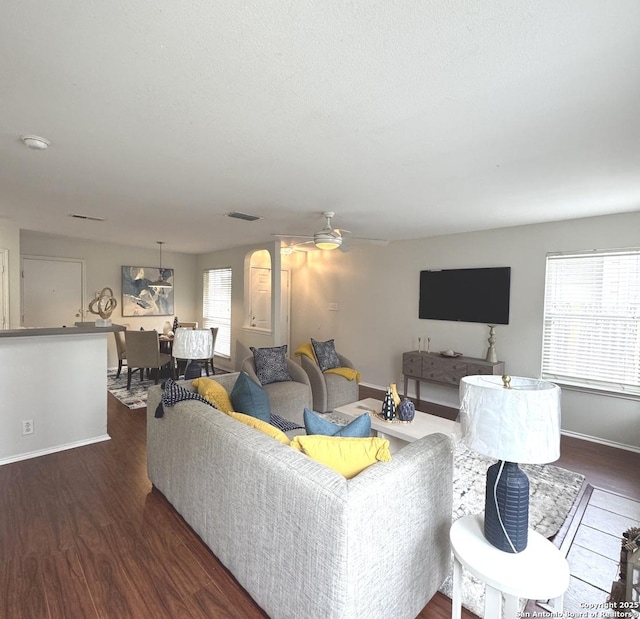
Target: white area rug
column 552, row 493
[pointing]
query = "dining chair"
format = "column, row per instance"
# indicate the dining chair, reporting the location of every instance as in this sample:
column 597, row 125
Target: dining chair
column 189, row 325
column 121, row 348
column 143, row 352
column 207, row 362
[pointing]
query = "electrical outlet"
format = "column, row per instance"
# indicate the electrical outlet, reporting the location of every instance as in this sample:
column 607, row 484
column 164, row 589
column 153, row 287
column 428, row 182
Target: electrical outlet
column 27, row 427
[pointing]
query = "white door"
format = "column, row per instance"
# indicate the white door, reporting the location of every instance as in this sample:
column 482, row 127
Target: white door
column 52, row 292
column 260, row 317
column 4, row 289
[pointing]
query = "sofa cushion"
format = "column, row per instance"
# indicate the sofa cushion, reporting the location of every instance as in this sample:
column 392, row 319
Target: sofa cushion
column 326, row 354
column 250, row 398
column 214, row 392
column 271, row 364
column 346, row 455
column 314, row 423
column 258, row 424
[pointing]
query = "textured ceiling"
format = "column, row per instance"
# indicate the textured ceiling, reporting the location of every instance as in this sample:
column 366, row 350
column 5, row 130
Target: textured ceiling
column 409, row 119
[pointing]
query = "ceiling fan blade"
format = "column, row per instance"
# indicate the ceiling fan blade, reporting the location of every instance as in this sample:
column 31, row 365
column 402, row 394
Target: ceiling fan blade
column 292, row 236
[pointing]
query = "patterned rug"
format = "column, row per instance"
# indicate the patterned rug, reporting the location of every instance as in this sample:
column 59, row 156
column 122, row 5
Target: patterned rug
column 136, row 397
column 133, row 398
column 552, row 493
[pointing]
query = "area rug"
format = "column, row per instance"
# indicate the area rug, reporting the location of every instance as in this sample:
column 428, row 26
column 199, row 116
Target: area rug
column 552, row 493
column 136, row 397
column 133, row 398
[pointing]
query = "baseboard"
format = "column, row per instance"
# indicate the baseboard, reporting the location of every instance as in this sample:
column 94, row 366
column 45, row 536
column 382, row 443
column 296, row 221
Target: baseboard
column 601, row 441
column 50, row 450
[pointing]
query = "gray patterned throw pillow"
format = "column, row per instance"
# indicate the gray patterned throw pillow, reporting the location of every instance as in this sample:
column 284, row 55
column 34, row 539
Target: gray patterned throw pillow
column 326, row 354
column 271, row 364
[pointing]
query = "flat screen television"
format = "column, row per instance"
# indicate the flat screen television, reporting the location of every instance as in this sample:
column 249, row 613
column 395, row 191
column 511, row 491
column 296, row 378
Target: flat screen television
column 466, row 295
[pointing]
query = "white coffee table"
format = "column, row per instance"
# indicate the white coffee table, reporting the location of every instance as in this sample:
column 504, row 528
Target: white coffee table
column 399, row 434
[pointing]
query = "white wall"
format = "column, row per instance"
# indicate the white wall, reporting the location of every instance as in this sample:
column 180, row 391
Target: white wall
column 104, row 263
column 10, row 239
column 377, row 291
column 57, row 382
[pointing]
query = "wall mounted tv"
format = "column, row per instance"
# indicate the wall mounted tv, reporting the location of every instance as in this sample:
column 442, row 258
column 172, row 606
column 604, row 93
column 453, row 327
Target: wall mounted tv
column 466, row 295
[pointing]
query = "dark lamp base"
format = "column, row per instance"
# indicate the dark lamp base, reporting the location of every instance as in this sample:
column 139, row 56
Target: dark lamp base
column 509, row 502
column 193, row 370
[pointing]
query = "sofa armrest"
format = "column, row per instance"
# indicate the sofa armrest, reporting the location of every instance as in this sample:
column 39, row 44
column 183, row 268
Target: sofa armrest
column 297, row 373
column 344, row 362
column 317, row 382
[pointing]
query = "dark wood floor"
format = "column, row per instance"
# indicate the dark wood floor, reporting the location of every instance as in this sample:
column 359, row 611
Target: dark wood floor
column 82, row 534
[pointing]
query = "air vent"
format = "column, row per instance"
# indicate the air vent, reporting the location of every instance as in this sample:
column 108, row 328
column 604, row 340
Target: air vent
column 244, row 216
column 86, row 217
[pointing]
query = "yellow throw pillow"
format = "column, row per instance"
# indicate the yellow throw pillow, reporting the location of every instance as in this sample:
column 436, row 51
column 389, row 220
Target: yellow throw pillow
column 263, row 426
column 348, row 456
column 214, row 392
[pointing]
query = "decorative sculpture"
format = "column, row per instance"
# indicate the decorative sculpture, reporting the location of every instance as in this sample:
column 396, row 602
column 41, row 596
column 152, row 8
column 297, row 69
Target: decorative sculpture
column 103, row 306
column 388, row 406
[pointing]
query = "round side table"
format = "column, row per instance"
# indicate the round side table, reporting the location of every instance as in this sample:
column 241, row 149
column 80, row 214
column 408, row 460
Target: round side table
column 539, row 572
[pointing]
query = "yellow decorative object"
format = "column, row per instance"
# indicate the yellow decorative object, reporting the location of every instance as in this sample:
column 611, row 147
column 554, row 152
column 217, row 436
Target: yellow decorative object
column 394, row 394
column 263, row 426
column 214, row 392
column 347, row 456
column 103, row 304
column 307, row 351
column 348, row 373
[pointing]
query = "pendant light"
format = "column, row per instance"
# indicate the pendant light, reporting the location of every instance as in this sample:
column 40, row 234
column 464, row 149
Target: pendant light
column 160, row 282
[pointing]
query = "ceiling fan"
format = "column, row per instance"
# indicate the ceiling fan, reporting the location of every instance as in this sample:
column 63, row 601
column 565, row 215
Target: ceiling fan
column 328, row 238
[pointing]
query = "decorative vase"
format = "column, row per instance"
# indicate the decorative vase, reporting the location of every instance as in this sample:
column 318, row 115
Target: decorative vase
column 167, row 327
column 406, row 411
column 394, row 394
column 175, row 324
column 388, row 406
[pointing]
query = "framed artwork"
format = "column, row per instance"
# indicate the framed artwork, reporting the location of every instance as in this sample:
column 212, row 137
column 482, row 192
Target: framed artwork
column 139, row 298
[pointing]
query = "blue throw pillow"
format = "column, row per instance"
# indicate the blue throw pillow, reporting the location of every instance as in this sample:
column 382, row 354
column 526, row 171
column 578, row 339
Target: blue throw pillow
column 250, row 398
column 360, row 427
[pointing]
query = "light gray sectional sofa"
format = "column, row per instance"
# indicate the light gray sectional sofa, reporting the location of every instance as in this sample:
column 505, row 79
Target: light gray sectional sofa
column 302, row 540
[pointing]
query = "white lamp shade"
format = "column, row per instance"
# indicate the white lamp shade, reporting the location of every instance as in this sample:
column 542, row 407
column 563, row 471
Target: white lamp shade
column 517, row 424
column 192, row 344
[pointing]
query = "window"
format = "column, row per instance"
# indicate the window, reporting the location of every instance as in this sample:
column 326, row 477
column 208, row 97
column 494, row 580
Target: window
column 216, row 307
column 591, row 332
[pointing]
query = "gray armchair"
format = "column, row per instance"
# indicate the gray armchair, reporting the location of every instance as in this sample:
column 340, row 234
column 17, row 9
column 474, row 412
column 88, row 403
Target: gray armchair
column 330, row 390
column 289, row 398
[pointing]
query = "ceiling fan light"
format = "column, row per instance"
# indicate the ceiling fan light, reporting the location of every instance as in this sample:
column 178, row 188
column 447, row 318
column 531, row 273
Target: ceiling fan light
column 327, row 240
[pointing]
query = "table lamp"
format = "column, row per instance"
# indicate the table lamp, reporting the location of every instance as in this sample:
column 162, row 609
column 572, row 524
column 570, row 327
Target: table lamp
column 515, row 420
column 192, row 344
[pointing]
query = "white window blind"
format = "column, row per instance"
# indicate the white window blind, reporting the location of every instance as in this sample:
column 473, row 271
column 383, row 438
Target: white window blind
column 216, row 307
column 591, row 334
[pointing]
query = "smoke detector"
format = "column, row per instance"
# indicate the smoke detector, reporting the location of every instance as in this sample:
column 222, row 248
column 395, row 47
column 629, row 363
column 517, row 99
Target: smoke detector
column 35, row 142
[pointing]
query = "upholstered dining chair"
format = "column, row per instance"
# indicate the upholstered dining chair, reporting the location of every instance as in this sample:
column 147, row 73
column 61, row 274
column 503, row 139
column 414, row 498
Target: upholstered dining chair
column 189, row 325
column 330, row 390
column 209, row 362
column 121, row 348
column 143, row 352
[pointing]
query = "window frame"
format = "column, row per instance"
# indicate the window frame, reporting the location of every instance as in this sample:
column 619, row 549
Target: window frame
column 591, row 321
column 218, row 316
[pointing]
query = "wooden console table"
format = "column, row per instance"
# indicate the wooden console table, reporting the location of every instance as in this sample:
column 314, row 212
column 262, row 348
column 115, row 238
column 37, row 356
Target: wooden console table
column 435, row 368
